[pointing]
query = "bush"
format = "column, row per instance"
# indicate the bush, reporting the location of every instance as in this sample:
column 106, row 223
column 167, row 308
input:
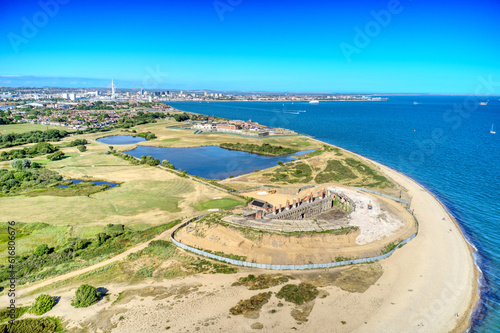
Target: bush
column 82, row 148
column 43, row 303
column 78, row 142
column 58, row 155
column 149, row 160
column 41, row 250
column 114, row 230
column 298, row 294
column 147, row 135
column 167, row 164
column 38, row 325
column 85, row 295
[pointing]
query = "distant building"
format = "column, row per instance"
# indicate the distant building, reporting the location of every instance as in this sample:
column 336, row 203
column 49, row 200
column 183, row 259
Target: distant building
column 227, row 126
column 72, row 97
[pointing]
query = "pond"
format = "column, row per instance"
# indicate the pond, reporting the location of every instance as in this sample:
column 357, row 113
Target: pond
column 213, row 162
column 121, row 140
column 77, row 181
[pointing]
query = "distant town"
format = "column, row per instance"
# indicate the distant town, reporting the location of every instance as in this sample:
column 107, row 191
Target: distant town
column 112, row 93
column 87, row 109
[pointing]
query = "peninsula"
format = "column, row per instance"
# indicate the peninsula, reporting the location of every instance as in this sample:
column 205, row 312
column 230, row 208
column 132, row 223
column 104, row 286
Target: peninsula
column 350, row 234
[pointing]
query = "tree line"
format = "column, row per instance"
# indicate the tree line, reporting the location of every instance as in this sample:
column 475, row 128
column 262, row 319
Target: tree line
column 264, row 149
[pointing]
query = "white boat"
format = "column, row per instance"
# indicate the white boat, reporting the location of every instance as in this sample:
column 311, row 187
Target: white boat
column 483, row 103
column 314, row 102
column 492, row 131
column 415, row 103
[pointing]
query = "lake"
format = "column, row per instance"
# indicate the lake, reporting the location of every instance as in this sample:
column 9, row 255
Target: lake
column 213, row 162
column 121, row 140
column 77, row 181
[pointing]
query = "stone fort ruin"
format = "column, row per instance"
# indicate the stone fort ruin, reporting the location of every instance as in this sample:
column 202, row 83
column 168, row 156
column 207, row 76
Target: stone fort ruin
column 300, row 208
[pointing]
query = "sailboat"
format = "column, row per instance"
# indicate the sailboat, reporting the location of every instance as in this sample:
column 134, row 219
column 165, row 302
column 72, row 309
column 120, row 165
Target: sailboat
column 492, row 131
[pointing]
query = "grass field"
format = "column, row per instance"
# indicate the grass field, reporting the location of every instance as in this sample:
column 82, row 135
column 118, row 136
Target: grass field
column 224, row 203
column 171, row 137
column 21, row 128
column 147, row 195
column 321, row 166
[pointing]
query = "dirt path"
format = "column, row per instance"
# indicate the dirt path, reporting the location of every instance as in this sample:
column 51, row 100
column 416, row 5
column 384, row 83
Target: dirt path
column 163, row 236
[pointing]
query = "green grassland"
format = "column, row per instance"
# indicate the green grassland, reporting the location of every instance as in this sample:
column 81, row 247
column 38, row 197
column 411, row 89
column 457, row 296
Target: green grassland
column 131, row 198
column 224, row 203
column 26, row 127
column 160, row 260
column 146, row 195
column 172, row 137
column 325, row 165
column 69, row 253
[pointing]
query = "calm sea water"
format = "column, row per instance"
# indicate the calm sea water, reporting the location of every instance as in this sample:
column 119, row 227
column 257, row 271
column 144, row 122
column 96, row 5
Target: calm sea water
column 213, row 162
column 442, row 142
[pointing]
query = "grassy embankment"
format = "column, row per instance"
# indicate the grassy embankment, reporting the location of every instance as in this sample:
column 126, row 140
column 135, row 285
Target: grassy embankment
column 325, row 165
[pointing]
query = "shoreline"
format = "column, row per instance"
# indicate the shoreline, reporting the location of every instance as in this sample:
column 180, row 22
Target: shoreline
column 471, row 295
column 465, row 322
column 424, row 284
column 283, row 101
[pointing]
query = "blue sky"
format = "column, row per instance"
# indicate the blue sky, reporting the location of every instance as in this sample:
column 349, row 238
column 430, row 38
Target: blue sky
column 422, row 47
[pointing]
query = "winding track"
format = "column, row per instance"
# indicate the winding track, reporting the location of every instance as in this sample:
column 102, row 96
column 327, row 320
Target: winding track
column 163, row 236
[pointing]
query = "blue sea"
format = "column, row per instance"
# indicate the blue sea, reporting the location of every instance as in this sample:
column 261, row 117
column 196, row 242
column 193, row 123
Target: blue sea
column 443, row 142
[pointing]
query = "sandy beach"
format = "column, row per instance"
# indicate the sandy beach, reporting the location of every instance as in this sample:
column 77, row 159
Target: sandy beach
column 433, row 275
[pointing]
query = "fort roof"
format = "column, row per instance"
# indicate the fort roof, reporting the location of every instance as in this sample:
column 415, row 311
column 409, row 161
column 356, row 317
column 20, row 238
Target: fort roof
column 260, row 203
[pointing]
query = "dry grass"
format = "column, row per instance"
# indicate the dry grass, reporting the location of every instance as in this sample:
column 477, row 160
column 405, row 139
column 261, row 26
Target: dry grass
column 250, row 307
column 147, row 195
column 170, row 137
column 328, row 167
column 262, row 281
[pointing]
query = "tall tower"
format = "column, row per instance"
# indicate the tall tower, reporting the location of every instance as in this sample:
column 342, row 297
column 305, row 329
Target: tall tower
column 112, row 89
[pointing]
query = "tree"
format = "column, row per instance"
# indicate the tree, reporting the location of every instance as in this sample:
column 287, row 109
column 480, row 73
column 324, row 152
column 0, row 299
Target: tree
column 85, row 295
column 41, row 250
column 114, row 230
column 280, row 163
column 101, row 238
column 16, row 164
column 58, row 155
column 26, row 164
column 82, row 148
column 181, row 117
column 43, row 303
